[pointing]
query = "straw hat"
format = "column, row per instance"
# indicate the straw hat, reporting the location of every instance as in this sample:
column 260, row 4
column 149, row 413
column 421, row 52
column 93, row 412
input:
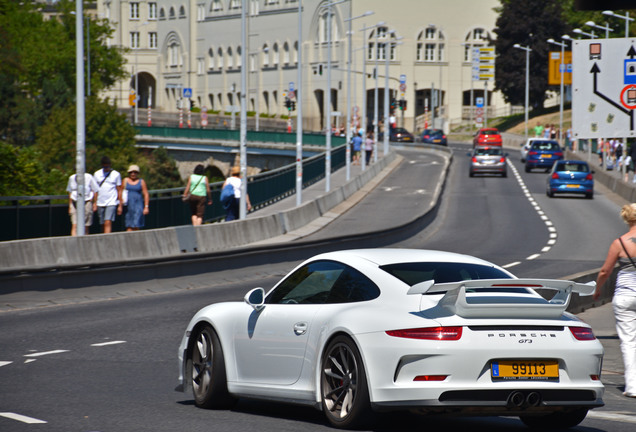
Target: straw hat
column 133, row 168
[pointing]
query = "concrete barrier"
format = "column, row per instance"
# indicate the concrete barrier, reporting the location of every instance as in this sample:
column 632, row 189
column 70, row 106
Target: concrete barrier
column 56, row 253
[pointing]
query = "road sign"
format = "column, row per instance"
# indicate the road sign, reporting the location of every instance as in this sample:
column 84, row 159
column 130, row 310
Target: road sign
column 187, row 93
column 402, row 87
column 479, row 102
column 604, row 88
column 402, row 79
column 291, row 86
column 554, row 66
column 483, row 64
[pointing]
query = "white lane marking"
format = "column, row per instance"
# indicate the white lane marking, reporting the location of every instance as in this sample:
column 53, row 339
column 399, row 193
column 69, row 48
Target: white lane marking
column 540, row 213
column 45, row 353
column 22, row 418
column 4, row 363
column 512, row 264
column 107, row 343
column 611, row 416
column 29, row 361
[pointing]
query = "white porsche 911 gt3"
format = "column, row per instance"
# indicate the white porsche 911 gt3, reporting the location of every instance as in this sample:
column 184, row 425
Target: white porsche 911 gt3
column 360, row 331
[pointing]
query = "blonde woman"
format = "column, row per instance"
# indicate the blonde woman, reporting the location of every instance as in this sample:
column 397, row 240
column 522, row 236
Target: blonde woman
column 623, row 251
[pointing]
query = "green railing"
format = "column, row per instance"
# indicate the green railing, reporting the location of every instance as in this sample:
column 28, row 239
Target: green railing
column 233, row 135
column 23, row 217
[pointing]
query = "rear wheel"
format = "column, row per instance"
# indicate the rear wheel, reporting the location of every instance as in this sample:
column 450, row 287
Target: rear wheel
column 558, row 420
column 343, row 383
column 589, row 196
column 527, row 168
column 207, row 369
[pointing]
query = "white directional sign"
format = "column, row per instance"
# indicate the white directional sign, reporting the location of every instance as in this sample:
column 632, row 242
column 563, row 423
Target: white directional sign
column 604, row 88
column 483, row 64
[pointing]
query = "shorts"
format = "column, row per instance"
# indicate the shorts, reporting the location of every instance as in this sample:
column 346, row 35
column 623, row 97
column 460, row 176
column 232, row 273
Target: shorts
column 106, row 213
column 197, row 205
column 88, row 213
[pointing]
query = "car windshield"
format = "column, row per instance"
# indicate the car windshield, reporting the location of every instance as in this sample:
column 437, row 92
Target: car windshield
column 490, row 132
column 415, row 272
column 546, row 145
column 488, row 151
column 572, row 167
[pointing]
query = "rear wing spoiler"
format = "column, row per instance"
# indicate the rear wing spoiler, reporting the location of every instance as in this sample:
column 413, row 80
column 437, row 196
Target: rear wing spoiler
column 494, row 305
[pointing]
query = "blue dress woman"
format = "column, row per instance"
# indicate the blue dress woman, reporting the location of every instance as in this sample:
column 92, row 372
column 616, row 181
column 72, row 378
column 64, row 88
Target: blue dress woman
column 137, row 199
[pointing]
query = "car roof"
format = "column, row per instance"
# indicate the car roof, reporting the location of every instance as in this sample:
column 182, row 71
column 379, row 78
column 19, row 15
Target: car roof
column 488, row 130
column 385, row 256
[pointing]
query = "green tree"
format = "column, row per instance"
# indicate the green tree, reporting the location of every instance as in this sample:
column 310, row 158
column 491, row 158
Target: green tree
column 528, row 23
column 160, row 170
column 37, row 65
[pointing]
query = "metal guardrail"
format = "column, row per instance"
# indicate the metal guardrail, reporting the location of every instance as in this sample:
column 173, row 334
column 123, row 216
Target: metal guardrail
column 24, row 217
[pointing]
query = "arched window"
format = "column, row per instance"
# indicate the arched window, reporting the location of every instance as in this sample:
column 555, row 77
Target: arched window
column 230, row 58
column 286, row 53
column 219, row 58
column 477, row 37
column 323, row 37
column 235, row 4
column 239, row 58
column 276, row 57
column 162, row 13
column 182, row 13
column 265, row 55
column 211, row 58
column 216, row 6
column 172, row 13
column 296, row 52
column 430, row 45
column 385, row 42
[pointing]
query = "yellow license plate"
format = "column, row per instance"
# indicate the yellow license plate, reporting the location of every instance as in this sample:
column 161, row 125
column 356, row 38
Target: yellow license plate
column 546, row 370
column 572, row 186
column 546, row 156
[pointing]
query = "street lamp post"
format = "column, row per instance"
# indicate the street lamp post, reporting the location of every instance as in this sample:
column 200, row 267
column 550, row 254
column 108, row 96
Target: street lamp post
column 561, row 73
column 625, row 17
column 387, row 53
column 364, row 87
column 605, row 27
column 80, row 127
column 582, row 33
column 527, row 92
column 348, row 130
column 299, row 110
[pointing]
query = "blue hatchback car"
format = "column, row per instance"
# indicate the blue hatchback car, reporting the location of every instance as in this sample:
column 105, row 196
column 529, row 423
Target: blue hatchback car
column 572, row 177
column 543, row 154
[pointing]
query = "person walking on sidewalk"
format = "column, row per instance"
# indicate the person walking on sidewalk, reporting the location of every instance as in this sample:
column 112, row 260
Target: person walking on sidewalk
column 623, row 251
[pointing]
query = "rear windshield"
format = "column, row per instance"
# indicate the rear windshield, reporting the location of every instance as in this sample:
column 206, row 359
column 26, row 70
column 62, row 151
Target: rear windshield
column 546, row 145
column 573, row 167
column 441, row 272
column 490, row 132
column 490, row 151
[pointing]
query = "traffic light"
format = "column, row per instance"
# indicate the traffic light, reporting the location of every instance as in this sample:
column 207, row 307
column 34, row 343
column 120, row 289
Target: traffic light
column 288, row 104
column 293, row 106
column 403, row 104
column 192, row 104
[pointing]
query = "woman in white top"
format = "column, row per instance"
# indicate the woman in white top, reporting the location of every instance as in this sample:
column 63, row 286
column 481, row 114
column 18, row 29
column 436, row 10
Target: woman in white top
column 232, row 209
column 623, row 251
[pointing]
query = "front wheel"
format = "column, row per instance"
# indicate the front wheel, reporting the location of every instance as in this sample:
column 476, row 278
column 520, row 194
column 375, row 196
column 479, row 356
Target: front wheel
column 343, row 382
column 558, row 420
column 207, row 369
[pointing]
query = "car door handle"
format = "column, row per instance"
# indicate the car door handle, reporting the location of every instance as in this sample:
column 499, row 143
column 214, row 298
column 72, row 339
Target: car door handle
column 300, row 328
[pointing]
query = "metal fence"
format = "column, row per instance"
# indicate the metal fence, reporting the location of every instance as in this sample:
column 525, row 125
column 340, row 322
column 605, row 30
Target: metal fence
column 24, row 217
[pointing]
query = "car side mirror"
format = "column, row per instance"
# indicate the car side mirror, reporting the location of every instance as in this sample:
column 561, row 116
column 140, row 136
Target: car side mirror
column 256, row 298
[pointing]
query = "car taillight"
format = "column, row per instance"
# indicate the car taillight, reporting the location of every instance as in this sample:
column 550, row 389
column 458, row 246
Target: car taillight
column 426, row 137
column 532, row 153
column 582, row 333
column 589, row 177
column 555, row 176
column 428, row 333
column 502, row 160
column 559, row 154
column 474, row 159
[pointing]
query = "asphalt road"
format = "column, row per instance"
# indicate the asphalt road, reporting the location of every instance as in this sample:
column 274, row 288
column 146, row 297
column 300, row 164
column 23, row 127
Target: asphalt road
column 107, row 361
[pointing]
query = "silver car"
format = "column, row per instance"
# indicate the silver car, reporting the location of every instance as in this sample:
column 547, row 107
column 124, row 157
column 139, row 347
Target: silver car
column 488, row 160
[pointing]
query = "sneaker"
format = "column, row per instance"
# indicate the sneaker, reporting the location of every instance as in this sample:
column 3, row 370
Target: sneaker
column 629, row 395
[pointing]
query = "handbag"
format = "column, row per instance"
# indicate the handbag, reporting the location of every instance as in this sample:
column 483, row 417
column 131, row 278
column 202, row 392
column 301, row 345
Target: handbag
column 186, row 197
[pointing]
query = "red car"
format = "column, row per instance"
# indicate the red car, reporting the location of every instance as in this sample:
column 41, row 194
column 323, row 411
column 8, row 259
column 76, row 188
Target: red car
column 487, row 136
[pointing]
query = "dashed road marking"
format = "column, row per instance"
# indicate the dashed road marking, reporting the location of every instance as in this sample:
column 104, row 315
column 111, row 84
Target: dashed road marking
column 107, row 343
column 4, row 363
column 21, row 418
column 542, row 215
column 39, row 354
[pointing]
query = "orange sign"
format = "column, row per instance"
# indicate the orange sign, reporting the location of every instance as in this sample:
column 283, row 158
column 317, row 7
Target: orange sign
column 554, row 64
